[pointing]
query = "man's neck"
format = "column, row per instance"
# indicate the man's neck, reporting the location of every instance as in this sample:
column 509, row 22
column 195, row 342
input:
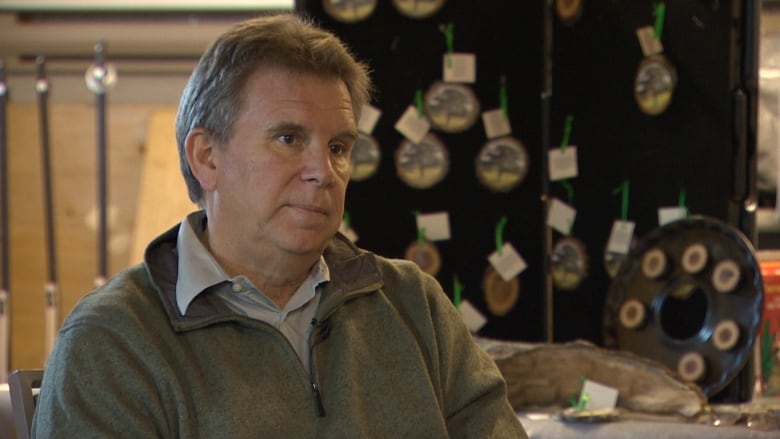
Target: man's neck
column 276, row 274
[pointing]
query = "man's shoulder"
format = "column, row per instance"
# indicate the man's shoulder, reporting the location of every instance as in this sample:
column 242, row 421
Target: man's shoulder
column 127, row 292
column 400, row 270
column 404, row 281
column 390, row 269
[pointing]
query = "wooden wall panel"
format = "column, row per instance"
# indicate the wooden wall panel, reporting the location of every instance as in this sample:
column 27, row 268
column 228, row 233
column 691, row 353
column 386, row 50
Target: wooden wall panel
column 73, row 152
column 162, row 195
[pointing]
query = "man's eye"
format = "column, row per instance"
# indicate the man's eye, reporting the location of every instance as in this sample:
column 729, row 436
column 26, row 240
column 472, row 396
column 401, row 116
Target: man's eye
column 287, row 139
column 338, row 149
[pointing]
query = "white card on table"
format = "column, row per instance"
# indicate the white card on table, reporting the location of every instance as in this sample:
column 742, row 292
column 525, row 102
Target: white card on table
column 598, row 396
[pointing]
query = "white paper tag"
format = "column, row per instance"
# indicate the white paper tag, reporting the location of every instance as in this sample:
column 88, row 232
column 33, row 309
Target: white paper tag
column 348, row 232
column 459, row 67
column 368, row 119
column 436, row 225
column 598, row 396
column 563, row 163
column 561, row 216
column 413, row 126
column 620, row 237
column 667, row 215
column 496, row 124
column 471, row 316
column 647, row 39
column 509, row 263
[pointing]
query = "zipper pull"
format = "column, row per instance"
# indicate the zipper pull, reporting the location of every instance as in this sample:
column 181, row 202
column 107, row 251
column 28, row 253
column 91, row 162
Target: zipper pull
column 318, row 400
column 321, row 329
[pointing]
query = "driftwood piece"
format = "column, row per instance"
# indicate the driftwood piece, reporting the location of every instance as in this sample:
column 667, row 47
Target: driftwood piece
column 550, row 375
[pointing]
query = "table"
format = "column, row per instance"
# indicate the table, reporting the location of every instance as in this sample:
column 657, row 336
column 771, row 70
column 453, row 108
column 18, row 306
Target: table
column 544, row 426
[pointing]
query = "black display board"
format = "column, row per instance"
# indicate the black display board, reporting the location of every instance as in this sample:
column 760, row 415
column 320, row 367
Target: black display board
column 406, row 55
column 703, row 144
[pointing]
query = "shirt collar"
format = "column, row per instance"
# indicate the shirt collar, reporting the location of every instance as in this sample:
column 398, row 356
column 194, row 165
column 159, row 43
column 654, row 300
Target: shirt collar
column 199, row 270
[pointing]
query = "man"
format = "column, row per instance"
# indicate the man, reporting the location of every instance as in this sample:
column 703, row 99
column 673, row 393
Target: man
column 254, row 317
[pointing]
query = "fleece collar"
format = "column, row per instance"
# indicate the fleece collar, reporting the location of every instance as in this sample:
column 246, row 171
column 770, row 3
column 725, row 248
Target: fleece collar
column 353, row 272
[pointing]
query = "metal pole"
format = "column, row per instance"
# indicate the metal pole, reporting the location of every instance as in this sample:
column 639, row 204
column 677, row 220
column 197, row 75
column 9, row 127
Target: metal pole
column 5, row 287
column 98, row 77
column 547, row 66
column 51, row 290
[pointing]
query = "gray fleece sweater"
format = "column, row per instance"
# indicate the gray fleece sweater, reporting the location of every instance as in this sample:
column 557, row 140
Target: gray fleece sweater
column 391, row 358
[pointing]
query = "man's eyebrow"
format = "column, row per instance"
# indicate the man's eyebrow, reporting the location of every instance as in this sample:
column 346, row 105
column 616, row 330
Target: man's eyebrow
column 286, row 127
column 351, row 135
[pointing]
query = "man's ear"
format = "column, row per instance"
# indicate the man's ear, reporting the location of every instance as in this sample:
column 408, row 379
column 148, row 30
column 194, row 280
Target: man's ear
column 200, row 149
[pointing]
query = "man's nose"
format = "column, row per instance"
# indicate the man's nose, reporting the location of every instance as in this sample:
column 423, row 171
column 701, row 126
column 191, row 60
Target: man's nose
column 318, row 167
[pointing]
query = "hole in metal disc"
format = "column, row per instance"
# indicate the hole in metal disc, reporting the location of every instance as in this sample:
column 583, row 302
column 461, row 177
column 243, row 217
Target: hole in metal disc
column 683, row 311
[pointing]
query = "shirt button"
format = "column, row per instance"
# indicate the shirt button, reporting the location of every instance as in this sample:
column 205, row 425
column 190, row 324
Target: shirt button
column 237, row 288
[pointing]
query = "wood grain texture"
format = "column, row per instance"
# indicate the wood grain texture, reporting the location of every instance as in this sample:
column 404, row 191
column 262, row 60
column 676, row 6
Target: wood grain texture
column 162, row 195
column 74, row 180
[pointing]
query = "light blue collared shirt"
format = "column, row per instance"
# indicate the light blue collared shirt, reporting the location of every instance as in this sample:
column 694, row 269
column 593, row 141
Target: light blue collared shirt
column 199, row 270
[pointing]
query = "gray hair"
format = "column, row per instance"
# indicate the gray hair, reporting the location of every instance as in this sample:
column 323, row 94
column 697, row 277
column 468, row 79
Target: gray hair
column 213, row 94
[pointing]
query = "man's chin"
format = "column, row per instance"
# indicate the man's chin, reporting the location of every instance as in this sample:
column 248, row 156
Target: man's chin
column 309, row 244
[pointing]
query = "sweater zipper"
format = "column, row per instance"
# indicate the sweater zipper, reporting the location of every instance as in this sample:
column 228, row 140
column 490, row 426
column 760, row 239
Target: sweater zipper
column 317, row 399
column 321, row 331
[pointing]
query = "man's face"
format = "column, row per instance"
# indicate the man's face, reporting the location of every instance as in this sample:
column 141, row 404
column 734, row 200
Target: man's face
column 282, row 177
